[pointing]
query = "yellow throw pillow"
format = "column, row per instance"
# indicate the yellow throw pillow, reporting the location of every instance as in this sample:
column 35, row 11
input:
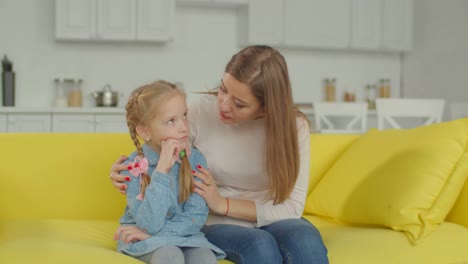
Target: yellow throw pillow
column 407, row 180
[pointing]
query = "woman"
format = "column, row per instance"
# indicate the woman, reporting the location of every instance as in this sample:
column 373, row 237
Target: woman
column 257, row 146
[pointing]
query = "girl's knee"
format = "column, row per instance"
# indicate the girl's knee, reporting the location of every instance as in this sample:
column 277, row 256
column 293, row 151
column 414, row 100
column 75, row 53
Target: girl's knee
column 199, row 256
column 168, row 255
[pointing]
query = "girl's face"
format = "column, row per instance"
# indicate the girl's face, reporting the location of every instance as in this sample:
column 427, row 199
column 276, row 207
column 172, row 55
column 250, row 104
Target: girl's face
column 236, row 102
column 170, row 122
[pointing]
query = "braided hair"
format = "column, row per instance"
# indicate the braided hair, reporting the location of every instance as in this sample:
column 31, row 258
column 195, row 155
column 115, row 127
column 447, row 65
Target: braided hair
column 139, row 110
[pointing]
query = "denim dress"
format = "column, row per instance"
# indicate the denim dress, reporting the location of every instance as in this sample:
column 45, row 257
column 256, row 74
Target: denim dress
column 169, row 222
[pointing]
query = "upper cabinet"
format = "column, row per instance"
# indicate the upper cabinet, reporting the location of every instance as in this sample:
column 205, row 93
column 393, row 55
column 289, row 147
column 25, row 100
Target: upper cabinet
column 382, row 24
column 335, row 24
column 317, row 23
column 75, row 19
column 366, row 24
column 397, row 24
column 261, row 25
column 230, row 3
column 114, row 20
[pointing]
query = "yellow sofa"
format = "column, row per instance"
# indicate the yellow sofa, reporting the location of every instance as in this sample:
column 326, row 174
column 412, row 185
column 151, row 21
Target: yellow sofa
column 57, row 206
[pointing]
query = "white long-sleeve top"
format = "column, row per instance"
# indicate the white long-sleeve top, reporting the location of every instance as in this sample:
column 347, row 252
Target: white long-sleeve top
column 236, row 158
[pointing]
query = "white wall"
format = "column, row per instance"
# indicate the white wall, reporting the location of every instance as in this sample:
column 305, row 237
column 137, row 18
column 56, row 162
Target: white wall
column 205, row 39
column 438, row 66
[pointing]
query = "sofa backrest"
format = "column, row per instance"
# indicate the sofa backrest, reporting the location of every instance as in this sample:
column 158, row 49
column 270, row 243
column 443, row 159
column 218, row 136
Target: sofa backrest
column 66, row 176
column 60, row 176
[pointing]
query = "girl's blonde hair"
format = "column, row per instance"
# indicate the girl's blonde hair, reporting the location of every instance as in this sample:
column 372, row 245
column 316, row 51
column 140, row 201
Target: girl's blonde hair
column 140, row 110
column 264, row 70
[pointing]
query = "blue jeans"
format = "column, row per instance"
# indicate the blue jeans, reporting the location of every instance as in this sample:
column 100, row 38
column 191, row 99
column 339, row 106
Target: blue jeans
column 291, row 241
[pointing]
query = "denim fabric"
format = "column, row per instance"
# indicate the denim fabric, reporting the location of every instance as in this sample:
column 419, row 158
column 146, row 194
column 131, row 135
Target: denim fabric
column 169, row 222
column 291, row 241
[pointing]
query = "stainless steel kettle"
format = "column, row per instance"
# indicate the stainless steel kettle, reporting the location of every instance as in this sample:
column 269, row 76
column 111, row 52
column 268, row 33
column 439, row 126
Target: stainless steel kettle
column 106, row 97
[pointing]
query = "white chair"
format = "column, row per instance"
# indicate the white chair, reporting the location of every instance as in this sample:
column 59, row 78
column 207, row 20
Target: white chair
column 428, row 110
column 458, row 110
column 357, row 112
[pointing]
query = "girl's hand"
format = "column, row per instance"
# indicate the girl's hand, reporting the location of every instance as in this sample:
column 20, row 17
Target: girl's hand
column 209, row 191
column 170, row 149
column 129, row 234
column 116, row 178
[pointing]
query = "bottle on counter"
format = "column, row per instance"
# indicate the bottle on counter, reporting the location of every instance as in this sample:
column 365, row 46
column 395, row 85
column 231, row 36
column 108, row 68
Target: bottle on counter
column 349, row 96
column 330, row 90
column 75, row 96
column 60, row 99
column 384, row 88
column 371, row 92
column 8, row 82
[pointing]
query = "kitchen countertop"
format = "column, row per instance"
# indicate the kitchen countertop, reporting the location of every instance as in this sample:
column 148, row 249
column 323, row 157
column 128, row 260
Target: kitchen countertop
column 306, row 109
column 65, row 110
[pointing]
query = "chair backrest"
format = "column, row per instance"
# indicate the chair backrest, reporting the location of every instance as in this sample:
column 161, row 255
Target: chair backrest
column 458, row 110
column 356, row 112
column 431, row 110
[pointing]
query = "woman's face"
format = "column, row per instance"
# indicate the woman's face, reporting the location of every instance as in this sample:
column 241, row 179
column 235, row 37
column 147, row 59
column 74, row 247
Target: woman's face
column 236, row 102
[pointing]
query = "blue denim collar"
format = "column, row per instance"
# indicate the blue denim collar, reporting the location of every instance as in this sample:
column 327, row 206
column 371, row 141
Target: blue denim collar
column 150, row 154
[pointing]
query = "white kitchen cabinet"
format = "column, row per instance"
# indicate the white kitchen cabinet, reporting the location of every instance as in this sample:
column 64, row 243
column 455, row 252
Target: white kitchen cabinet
column 207, row 3
column 155, row 20
column 75, row 19
column 73, row 123
column 262, row 23
column 105, row 123
column 25, row 122
column 3, row 123
column 366, row 24
column 114, row 20
column 317, row 23
column 397, row 24
column 382, row 24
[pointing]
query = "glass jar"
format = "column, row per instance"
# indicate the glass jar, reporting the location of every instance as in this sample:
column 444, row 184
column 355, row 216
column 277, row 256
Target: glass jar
column 371, row 94
column 60, row 99
column 75, row 96
column 330, row 90
column 384, row 88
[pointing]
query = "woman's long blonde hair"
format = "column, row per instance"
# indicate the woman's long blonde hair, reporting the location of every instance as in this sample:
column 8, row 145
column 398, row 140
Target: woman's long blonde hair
column 140, row 110
column 264, row 70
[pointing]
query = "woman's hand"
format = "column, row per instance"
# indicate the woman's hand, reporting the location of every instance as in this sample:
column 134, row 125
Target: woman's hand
column 130, row 234
column 209, row 191
column 118, row 179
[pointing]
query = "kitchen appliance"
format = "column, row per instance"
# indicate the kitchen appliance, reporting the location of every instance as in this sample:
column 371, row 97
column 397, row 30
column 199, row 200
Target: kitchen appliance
column 106, row 97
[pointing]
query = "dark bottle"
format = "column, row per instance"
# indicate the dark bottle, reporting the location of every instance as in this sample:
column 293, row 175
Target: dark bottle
column 8, row 82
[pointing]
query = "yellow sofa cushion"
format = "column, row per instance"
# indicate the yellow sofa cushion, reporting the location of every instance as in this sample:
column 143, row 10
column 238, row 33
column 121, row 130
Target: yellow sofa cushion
column 44, row 241
column 325, row 149
column 459, row 212
column 407, row 180
column 62, row 176
column 353, row 244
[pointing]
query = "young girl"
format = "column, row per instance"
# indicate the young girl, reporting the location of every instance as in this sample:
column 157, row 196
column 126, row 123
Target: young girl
column 163, row 217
